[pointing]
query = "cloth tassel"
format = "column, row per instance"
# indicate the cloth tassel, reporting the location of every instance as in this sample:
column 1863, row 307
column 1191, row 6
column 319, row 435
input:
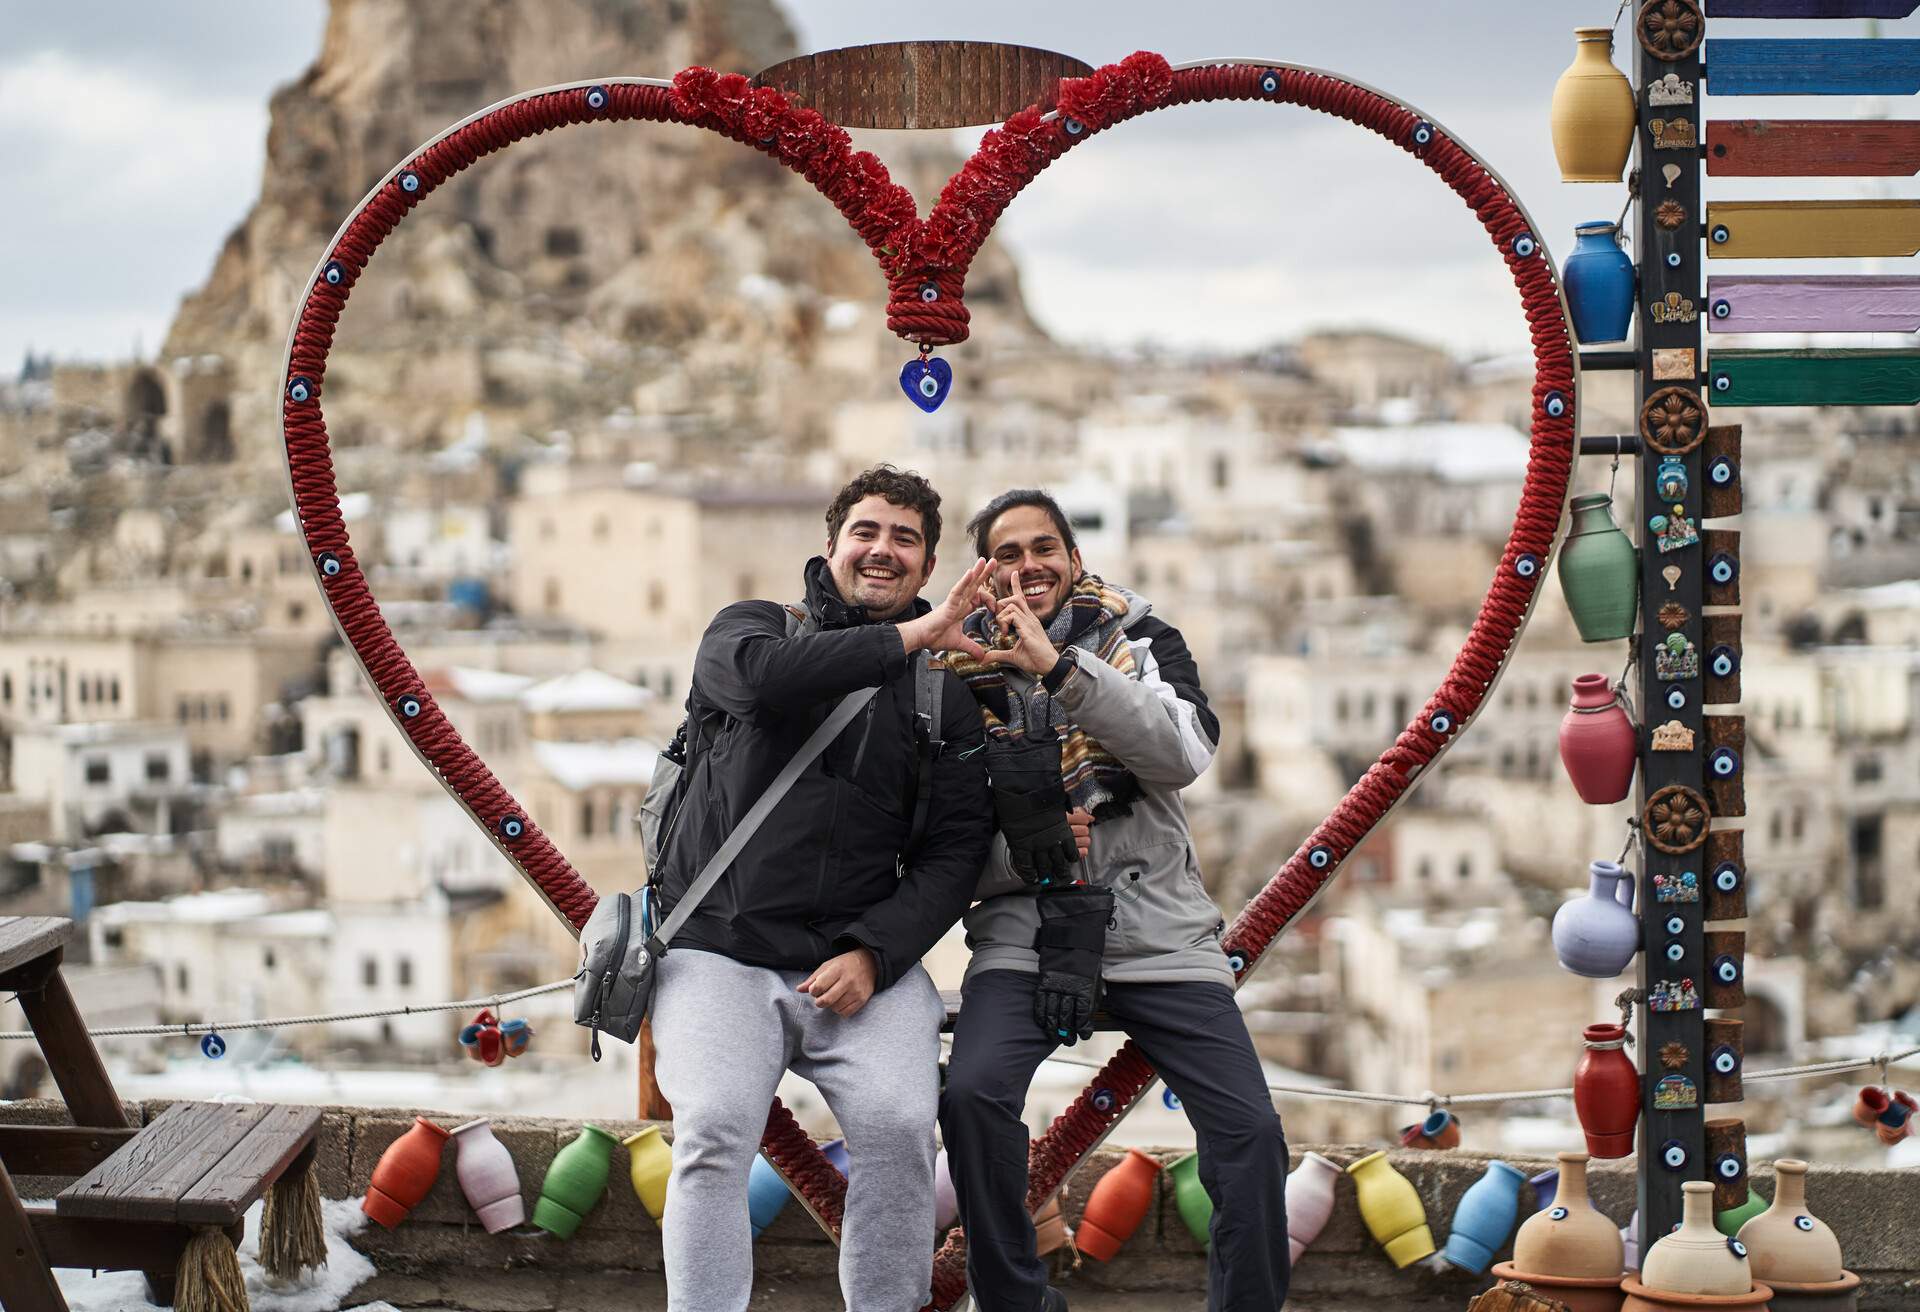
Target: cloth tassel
column 209, row 1278
column 292, row 1236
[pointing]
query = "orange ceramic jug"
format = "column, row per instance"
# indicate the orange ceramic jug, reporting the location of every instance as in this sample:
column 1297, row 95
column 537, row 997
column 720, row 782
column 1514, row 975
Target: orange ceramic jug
column 404, row 1173
column 1116, row 1205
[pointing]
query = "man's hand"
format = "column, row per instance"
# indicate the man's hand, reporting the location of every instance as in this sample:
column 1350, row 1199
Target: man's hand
column 1032, row 650
column 1080, row 821
column 843, row 983
column 939, row 629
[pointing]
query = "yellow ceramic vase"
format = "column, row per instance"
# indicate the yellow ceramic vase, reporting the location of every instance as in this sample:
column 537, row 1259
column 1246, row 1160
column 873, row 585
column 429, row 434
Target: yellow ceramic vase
column 650, row 1162
column 1391, row 1207
column 1593, row 111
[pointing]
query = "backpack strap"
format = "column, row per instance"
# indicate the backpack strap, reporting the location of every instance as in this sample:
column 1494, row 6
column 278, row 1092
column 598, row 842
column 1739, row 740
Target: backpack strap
column 929, row 681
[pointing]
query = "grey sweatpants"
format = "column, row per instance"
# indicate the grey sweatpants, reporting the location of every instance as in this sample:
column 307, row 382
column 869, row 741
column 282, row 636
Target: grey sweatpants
column 725, row 1032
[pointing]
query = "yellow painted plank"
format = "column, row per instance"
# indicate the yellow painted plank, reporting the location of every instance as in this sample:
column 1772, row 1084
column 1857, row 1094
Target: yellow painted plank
column 1798, row 229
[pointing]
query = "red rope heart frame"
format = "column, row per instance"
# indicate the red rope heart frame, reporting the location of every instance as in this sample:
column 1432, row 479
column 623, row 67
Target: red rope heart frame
column 926, row 263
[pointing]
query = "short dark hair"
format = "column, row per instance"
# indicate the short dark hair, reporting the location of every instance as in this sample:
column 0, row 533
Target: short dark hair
column 981, row 525
column 902, row 488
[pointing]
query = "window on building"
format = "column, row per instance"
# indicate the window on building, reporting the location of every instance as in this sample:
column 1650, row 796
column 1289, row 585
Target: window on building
column 1221, row 472
column 180, row 978
column 99, row 771
column 1776, row 827
column 223, row 708
column 182, row 709
column 586, row 816
column 404, row 968
column 385, row 760
column 563, row 241
column 600, row 527
column 1866, row 770
column 295, row 612
column 616, row 811
column 656, row 597
column 159, row 769
column 369, row 972
column 6, row 689
column 1799, row 824
column 1465, row 868
column 83, row 692
column 1340, row 708
column 266, row 958
column 1425, row 868
column 550, row 595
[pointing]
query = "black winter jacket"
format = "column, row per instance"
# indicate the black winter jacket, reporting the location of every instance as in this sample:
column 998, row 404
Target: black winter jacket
column 820, row 876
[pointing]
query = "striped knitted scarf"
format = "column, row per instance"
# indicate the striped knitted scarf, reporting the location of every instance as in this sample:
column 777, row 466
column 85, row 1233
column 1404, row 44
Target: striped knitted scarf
column 1091, row 620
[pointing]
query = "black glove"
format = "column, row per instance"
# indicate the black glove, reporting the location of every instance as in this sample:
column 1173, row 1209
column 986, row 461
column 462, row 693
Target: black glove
column 1072, row 936
column 1030, row 807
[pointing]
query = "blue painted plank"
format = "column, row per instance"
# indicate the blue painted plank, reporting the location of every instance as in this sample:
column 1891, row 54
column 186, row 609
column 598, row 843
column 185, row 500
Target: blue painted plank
column 1811, row 8
column 1751, row 67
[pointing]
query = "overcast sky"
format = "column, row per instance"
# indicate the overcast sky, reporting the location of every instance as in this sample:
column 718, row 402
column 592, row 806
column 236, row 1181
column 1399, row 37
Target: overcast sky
column 132, row 137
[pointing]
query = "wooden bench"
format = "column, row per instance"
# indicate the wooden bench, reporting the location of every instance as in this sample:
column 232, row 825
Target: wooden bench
column 142, row 1192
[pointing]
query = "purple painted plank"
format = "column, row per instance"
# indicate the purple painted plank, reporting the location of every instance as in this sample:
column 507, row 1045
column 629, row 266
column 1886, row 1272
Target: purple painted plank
column 1811, row 8
column 1840, row 303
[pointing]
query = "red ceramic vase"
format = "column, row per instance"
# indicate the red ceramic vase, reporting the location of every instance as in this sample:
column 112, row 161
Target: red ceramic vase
column 1598, row 743
column 1116, row 1205
column 1606, row 1092
column 404, row 1173
column 1868, row 1106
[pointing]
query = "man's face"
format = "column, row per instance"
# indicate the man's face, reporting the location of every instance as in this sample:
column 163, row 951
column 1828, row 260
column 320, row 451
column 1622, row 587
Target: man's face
column 880, row 559
column 1029, row 556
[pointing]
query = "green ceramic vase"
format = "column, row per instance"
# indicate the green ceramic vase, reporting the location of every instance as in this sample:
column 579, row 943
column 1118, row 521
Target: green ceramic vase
column 1729, row 1222
column 575, row 1182
column 1599, row 571
column 1190, row 1197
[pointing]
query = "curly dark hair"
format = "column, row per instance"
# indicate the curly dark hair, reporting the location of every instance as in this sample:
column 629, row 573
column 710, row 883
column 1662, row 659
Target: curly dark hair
column 981, row 525
column 902, row 488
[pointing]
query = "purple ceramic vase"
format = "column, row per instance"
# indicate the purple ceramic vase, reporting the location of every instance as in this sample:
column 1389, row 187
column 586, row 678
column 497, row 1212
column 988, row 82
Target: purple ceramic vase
column 1598, row 935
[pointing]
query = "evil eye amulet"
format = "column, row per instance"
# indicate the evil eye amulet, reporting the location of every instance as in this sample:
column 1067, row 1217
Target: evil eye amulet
column 926, row 382
column 1555, row 404
column 1735, row 1247
column 1726, row 969
column 1724, row 763
column 1726, row 876
column 1724, row 662
column 1527, row 565
column 1320, row 856
column 1676, row 697
column 1675, row 925
column 1675, row 952
column 1103, row 1100
column 1803, row 1224
column 1723, row 568
column 1270, row 83
column 1725, row 1060
column 1728, row 1167
column 213, row 1047
column 1673, row 1155
column 1558, row 1214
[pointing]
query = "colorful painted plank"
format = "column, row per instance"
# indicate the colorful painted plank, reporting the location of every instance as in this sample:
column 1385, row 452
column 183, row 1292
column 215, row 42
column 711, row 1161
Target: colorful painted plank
column 1813, row 148
column 1800, row 229
column 1836, row 303
column 1811, row 8
column 1748, row 67
column 1814, row 378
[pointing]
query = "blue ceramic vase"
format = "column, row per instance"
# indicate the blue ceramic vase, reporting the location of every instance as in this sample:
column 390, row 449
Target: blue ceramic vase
column 767, row 1195
column 1598, row 279
column 1484, row 1220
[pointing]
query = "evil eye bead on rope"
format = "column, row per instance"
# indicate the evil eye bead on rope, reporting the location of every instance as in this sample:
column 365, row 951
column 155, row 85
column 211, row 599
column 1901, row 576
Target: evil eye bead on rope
column 926, row 381
column 1170, row 1100
column 1726, row 876
column 1441, row 722
column 596, row 98
column 1723, row 568
column 329, row 565
column 335, row 274
column 409, row 706
column 1270, row 82
column 409, row 182
column 1724, row 662
column 300, row 389
column 1726, row 969
column 1803, row 1224
column 512, row 827
column 1320, row 856
column 1558, row 1214
column 1073, row 127
column 1725, row 1061
column 1673, row 1155
column 1236, row 962
column 1724, row 763
column 1527, row 565
column 1103, row 1100
column 929, row 293
column 1525, row 246
column 213, row 1047
column 1555, row 404
column 1423, row 135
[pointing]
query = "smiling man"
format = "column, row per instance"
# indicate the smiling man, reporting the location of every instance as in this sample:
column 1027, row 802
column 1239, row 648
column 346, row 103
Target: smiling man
column 1095, row 721
column 805, row 955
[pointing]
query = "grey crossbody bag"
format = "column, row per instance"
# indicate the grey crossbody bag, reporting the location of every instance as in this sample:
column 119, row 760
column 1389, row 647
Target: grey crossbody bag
column 614, row 988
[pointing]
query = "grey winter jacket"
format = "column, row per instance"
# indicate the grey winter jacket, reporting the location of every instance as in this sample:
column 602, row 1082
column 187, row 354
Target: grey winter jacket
column 1157, row 722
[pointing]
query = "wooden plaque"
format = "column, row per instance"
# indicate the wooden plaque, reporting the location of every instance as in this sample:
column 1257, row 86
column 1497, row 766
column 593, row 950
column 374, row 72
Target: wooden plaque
column 1721, row 631
column 1833, row 303
column 1726, row 847
column 1813, row 148
column 1727, row 795
column 923, row 84
column 1814, row 378
column 1812, row 229
column 1746, row 66
column 1811, row 8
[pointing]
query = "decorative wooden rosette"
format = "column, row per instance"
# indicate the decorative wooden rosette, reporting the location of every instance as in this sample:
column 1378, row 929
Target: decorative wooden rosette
column 1673, row 421
column 1670, row 29
column 1675, row 819
column 917, row 255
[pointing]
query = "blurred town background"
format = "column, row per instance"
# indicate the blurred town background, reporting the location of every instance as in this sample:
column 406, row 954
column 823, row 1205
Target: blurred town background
column 605, row 384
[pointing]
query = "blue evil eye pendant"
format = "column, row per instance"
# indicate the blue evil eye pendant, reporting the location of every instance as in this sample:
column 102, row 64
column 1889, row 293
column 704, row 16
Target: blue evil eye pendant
column 926, row 381
column 213, row 1047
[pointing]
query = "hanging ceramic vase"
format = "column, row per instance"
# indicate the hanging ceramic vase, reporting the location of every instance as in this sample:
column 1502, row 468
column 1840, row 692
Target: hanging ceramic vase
column 1598, row 935
column 1190, row 1198
column 488, row 1177
column 1598, row 742
column 1484, row 1217
column 1593, row 111
column 1441, row 1130
column 1309, row 1200
column 1599, row 570
column 1696, row 1258
column 767, row 1195
column 1796, row 1252
column 1598, row 280
column 575, row 1182
column 1116, row 1205
column 1895, row 1121
column 1606, row 1092
column 946, row 1204
column 650, row 1164
column 404, row 1173
column 1868, row 1106
column 1569, row 1238
column 1391, row 1207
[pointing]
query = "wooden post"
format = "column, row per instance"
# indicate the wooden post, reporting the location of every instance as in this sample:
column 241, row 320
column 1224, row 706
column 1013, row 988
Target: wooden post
column 1726, row 1054
column 1671, row 264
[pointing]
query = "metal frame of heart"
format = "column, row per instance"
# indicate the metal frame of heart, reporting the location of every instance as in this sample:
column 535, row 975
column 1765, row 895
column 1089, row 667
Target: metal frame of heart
column 921, row 256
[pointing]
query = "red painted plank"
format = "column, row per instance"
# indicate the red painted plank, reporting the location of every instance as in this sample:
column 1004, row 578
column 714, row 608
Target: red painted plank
column 1813, row 147
column 1838, row 303
column 1811, row 8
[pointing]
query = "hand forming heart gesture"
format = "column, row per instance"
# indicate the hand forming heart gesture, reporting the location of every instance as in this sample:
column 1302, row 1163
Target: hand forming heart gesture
column 1032, row 650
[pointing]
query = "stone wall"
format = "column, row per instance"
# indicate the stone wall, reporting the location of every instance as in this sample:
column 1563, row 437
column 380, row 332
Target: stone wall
column 618, row 1247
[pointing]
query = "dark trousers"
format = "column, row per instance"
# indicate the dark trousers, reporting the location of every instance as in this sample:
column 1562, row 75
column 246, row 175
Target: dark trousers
column 1195, row 1037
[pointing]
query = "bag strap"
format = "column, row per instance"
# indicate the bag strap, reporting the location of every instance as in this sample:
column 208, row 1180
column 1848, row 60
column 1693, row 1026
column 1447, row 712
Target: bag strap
column 850, row 706
column 929, row 680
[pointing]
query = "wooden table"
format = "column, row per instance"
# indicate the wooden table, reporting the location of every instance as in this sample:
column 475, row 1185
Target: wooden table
column 142, row 1192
